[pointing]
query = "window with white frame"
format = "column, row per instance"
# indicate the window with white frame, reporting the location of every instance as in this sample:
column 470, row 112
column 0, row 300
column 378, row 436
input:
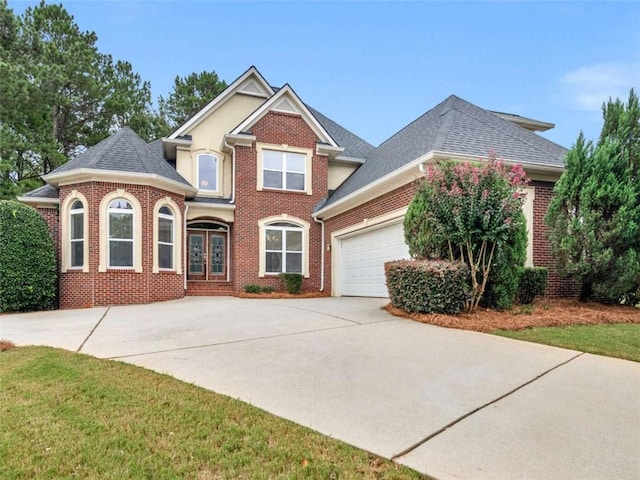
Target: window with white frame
column 76, row 234
column 283, row 248
column 166, row 232
column 120, row 250
column 207, row 172
column 283, row 170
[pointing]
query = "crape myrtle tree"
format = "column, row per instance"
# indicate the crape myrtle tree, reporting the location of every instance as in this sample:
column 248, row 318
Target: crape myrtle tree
column 594, row 217
column 469, row 212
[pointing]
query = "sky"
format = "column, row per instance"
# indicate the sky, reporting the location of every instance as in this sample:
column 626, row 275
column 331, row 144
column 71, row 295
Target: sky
column 374, row 67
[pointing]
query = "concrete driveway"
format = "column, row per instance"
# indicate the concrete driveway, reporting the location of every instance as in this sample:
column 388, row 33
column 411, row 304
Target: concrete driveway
column 448, row 403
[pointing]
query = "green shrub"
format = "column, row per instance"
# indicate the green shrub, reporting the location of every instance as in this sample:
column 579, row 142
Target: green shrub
column 252, row 288
column 292, row 282
column 428, row 286
column 533, row 282
column 27, row 260
column 504, row 278
column 268, row 289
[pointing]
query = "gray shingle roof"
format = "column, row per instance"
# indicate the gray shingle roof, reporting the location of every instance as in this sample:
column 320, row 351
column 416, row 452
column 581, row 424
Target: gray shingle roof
column 45, row 191
column 124, row 151
column 354, row 146
column 458, row 127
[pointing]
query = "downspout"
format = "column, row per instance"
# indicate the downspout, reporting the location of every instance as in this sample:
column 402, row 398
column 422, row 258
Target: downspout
column 185, row 249
column 321, row 253
column 422, row 168
column 233, row 171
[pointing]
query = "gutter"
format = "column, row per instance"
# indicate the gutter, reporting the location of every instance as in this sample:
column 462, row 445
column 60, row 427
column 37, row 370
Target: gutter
column 185, row 248
column 321, row 253
column 233, row 170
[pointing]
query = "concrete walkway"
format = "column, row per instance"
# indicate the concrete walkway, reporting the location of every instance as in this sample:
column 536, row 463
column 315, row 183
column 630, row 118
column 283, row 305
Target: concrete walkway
column 448, row 403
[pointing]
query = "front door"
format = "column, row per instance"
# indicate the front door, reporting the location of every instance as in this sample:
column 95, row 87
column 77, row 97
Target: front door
column 207, row 255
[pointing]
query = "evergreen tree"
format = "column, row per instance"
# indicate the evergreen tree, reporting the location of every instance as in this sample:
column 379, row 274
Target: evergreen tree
column 594, row 217
column 189, row 95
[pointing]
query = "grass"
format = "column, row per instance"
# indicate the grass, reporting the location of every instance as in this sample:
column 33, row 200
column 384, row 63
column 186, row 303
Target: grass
column 66, row 415
column 620, row 340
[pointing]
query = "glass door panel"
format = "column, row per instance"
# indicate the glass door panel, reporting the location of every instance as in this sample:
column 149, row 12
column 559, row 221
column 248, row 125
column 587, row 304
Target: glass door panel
column 217, row 255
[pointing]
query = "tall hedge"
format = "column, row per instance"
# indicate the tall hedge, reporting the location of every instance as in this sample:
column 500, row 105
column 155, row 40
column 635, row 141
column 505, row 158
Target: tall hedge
column 27, row 260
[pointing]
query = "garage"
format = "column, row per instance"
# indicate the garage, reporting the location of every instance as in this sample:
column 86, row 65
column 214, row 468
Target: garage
column 362, row 256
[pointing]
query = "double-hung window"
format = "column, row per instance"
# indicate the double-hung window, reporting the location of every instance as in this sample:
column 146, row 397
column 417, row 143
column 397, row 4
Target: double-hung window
column 76, row 234
column 120, row 234
column 284, row 170
column 283, row 248
column 165, row 238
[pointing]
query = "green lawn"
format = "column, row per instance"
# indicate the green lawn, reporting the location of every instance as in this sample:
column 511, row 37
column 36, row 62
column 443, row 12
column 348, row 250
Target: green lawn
column 620, row 340
column 66, row 415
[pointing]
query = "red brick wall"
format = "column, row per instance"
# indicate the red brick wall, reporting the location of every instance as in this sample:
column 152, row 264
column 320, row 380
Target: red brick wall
column 556, row 286
column 79, row 289
column 401, row 197
column 252, row 205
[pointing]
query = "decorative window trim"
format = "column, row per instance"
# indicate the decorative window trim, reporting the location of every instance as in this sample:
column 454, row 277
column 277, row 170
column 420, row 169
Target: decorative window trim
column 262, row 226
column 103, row 265
column 209, row 191
column 65, row 230
column 177, row 236
column 308, row 174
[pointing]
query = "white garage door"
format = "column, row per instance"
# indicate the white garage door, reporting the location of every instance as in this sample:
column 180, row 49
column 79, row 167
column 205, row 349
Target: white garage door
column 362, row 257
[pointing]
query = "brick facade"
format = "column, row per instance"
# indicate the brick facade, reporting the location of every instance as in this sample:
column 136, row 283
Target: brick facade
column 253, row 205
column 80, row 289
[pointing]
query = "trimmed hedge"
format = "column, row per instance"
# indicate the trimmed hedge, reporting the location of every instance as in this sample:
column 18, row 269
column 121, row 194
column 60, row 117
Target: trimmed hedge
column 428, row 286
column 292, row 282
column 533, row 282
column 27, row 260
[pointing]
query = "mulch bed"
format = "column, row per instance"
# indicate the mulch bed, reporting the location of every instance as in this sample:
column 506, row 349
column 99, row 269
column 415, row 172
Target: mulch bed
column 542, row 313
column 281, row 295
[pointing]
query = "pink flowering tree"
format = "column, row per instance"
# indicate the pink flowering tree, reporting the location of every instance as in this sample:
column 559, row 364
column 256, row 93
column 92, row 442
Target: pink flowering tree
column 466, row 211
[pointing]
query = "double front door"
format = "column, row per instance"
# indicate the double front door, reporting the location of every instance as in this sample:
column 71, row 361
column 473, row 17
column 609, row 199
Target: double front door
column 207, row 255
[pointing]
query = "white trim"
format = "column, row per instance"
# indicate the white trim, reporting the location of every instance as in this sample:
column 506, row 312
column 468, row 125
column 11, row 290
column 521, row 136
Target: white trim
column 308, row 173
column 527, row 208
column 177, row 240
column 410, row 172
column 103, row 265
column 84, row 175
column 346, row 159
column 218, row 168
column 221, row 99
column 263, row 223
column 305, row 114
column 37, row 201
column 328, row 150
column 65, row 233
column 366, row 225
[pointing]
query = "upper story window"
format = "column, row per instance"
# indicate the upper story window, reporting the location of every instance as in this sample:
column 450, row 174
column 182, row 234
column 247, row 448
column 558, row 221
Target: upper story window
column 284, row 170
column 120, row 248
column 76, row 234
column 207, row 172
column 165, row 238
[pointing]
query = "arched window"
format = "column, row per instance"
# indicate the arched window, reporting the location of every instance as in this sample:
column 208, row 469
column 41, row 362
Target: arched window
column 166, row 238
column 283, row 245
column 207, row 172
column 76, row 234
column 120, row 250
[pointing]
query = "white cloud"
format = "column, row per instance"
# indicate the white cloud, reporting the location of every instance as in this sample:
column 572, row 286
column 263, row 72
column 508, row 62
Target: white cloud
column 590, row 86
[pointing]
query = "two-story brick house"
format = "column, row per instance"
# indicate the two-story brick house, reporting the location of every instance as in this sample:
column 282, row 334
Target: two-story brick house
column 258, row 183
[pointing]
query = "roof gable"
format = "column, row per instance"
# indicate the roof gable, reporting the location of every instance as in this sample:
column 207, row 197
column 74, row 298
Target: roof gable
column 286, row 100
column 250, row 82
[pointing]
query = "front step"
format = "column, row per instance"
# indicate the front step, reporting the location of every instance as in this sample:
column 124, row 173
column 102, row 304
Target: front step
column 199, row 289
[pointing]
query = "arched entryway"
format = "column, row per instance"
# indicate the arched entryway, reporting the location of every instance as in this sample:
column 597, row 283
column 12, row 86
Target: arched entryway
column 207, row 251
